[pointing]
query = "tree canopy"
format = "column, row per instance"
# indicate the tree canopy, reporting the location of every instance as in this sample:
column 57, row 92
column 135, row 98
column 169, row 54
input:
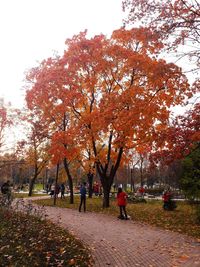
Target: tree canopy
column 107, row 95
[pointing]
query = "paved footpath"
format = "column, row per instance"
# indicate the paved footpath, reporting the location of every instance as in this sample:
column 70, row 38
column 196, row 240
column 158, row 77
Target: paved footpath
column 119, row 243
column 127, row 243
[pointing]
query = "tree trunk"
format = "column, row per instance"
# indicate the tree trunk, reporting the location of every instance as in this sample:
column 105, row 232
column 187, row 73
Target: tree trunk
column 106, row 195
column 141, row 171
column 90, row 181
column 132, row 181
column 107, row 173
column 70, row 181
column 71, row 190
column 31, row 185
column 56, row 184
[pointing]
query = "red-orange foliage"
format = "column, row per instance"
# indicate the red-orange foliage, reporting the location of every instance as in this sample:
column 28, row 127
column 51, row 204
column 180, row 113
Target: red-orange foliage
column 176, row 22
column 113, row 93
column 180, row 138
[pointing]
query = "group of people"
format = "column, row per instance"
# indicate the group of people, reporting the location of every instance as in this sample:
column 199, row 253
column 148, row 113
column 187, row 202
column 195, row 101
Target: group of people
column 121, row 201
column 169, row 203
column 57, row 189
column 122, row 196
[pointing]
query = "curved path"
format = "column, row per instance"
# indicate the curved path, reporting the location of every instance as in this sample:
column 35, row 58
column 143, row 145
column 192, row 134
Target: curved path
column 119, row 243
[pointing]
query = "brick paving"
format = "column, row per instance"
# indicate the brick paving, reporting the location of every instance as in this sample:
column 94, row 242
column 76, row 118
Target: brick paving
column 118, row 243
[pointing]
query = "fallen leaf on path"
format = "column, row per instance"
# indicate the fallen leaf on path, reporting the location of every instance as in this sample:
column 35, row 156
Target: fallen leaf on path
column 71, row 262
column 184, row 257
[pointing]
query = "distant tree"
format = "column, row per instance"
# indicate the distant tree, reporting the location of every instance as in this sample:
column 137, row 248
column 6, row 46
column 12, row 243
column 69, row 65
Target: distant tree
column 174, row 174
column 190, row 181
column 180, row 138
column 4, row 122
column 180, row 143
column 8, row 164
column 34, row 149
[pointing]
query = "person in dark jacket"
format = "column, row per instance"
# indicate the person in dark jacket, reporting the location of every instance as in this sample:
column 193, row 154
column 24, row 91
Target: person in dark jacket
column 6, row 191
column 83, row 192
column 62, row 190
column 57, row 190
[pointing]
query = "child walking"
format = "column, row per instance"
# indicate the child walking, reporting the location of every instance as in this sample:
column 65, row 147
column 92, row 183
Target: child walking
column 121, row 201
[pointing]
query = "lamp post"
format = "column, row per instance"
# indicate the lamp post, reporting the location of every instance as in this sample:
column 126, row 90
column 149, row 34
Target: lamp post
column 46, row 178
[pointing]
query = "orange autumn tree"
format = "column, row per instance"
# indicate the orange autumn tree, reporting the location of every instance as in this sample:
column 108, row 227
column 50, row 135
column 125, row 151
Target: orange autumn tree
column 47, row 91
column 117, row 92
column 123, row 94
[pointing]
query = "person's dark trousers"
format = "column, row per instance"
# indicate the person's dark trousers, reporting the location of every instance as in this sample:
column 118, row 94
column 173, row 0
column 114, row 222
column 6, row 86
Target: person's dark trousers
column 123, row 209
column 83, row 201
column 166, row 205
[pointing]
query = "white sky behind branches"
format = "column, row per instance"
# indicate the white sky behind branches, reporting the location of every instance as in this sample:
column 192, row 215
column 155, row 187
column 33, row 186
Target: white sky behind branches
column 32, row 30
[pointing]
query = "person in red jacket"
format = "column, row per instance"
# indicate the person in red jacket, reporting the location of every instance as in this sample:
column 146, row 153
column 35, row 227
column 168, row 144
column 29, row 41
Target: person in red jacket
column 169, row 203
column 121, row 201
column 141, row 191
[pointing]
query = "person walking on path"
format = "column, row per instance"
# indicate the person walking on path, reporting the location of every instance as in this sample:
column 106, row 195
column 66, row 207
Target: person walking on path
column 62, row 190
column 52, row 192
column 142, row 191
column 83, row 192
column 6, row 191
column 57, row 190
column 121, row 201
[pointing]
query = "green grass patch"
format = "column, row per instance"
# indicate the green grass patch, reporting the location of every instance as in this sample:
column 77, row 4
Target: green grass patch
column 29, row 241
column 182, row 220
column 25, row 195
column 38, row 187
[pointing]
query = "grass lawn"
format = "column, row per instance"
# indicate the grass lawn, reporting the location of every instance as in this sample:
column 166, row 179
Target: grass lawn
column 181, row 220
column 29, row 241
column 24, row 195
column 38, row 187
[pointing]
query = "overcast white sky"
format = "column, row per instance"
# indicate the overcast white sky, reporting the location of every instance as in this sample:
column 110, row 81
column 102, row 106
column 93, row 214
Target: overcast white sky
column 31, row 30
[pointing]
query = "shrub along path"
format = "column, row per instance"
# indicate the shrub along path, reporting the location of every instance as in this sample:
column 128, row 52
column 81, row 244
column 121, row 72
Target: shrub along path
column 119, row 243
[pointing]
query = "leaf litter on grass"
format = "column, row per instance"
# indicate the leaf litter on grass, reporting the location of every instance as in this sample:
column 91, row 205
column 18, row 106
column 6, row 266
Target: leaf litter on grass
column 43, row 242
